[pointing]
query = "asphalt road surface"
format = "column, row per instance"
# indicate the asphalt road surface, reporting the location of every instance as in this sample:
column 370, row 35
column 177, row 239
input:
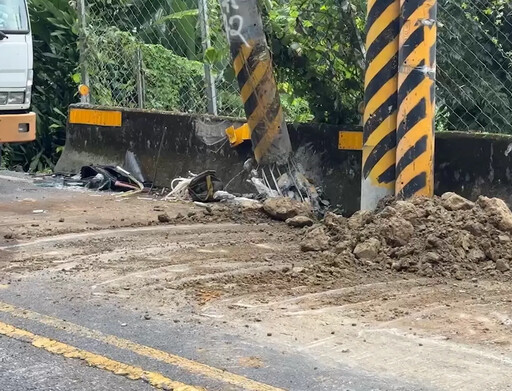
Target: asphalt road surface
column 95, row 295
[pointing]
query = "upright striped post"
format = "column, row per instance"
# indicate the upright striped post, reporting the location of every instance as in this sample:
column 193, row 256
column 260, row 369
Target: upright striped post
column 381, row 83
column 252, row 63
column 416, row 98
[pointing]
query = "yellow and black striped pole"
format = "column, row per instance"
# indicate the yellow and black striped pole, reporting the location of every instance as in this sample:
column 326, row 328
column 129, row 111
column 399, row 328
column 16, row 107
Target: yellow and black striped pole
column 252, row 63
column 381, row 83
column 416, row 98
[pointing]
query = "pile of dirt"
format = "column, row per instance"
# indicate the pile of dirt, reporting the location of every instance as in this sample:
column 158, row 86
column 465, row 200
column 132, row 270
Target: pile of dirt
column 446, row 236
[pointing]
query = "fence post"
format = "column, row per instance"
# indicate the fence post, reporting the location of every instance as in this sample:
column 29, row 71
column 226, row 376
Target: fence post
column 140, row 79
column 416, row 99
column 211, row 91
column 380, row 113
column 83, row 49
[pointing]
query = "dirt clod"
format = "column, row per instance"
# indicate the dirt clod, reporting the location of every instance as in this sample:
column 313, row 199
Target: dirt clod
column 315, row 240
column 452, row 201
column 498, row 210
column 164, row 218
column 502, row 265
column 300, row 222
column 397, row 231
column 285, row 208
column 368, row 249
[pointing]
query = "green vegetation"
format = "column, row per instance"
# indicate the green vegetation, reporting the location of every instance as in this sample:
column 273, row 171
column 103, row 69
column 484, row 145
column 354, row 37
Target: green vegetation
column 318, row 54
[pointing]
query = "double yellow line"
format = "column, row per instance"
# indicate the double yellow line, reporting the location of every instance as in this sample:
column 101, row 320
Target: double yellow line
column 95, row 360
column 132, row 372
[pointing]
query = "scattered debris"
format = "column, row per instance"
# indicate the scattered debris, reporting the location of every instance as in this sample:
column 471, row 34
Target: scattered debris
column 179, row 189
column 132, row 165
column 261, row 188
column 109, row 178
column 203, row 186
column 289, row 181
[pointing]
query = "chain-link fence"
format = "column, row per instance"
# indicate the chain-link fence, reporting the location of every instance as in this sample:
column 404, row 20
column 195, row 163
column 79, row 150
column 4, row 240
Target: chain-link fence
column 163, row 55
column 173, row 55
column 475, row 66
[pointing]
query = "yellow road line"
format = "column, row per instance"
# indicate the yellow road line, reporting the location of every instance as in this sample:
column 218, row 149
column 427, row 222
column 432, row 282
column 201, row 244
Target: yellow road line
column 95, row 360
column 146, row 351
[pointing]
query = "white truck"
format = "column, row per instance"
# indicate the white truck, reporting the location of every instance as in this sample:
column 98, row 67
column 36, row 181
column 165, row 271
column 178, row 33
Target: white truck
column 17, row 122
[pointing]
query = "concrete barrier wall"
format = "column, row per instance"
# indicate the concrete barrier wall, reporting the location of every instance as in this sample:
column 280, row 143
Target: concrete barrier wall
column 169, row 145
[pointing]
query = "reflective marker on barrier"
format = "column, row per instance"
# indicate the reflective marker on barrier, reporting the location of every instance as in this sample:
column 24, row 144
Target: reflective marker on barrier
column 95, row 117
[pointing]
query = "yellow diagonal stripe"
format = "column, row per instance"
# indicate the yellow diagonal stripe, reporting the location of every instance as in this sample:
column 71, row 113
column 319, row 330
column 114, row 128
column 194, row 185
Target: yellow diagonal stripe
column 413, row 98
column 259, row 113
column 380, row 61
column 415, row 56
column 267, row 140
column 388, row 89
column 383, row 21
column 240, row 60
column 422, row 12
column 146, row 351
column 410, row 138
column 421, row 164
column 382, row 165
column 387, row 125
column 255, row 78
column 95, row 360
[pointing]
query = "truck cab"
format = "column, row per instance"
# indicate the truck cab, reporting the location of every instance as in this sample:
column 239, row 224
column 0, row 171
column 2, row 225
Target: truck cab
column 17, row 122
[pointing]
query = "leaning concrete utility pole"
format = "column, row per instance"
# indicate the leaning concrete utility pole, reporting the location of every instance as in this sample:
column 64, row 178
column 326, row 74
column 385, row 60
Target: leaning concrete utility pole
column 252, row 63
column 416, row 99
column 380, row 113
